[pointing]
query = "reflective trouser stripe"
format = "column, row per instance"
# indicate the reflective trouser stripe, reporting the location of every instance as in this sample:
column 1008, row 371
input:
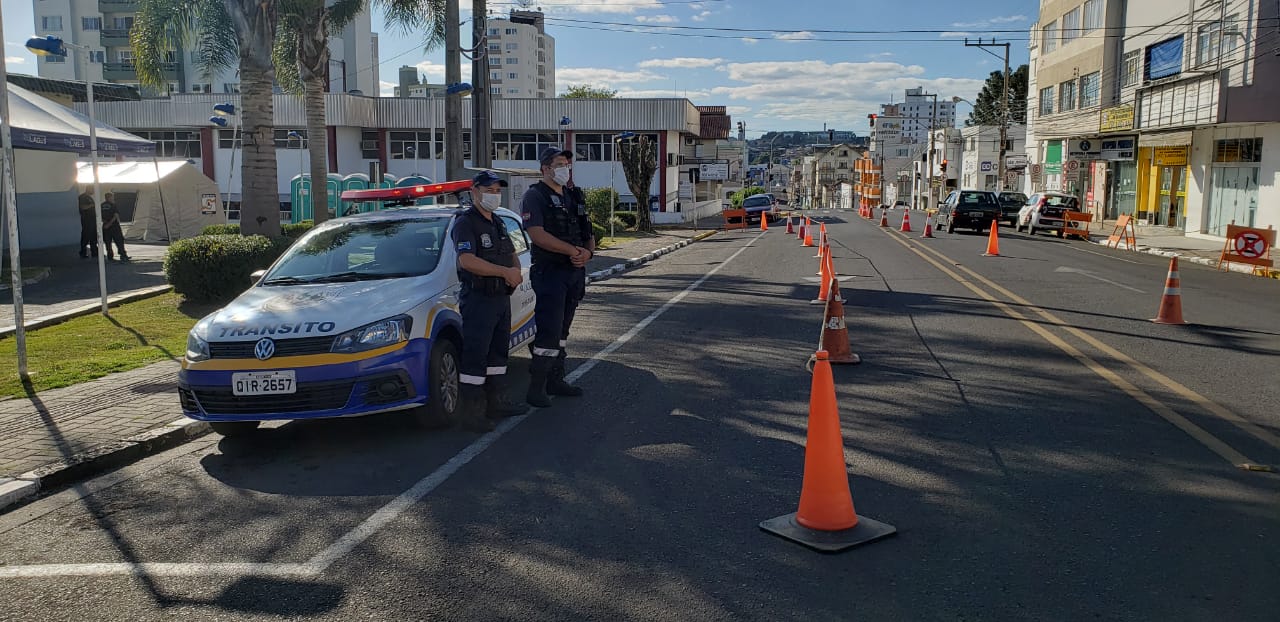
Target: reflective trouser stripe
column 545, row 352
column 469, row 379
column 496, row 371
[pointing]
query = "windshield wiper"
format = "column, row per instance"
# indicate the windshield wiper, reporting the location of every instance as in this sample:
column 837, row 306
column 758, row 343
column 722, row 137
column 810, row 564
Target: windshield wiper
column 285, row 280
column 357, row 276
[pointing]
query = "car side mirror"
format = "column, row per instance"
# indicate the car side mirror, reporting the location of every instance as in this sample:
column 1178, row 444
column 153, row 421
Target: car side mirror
column 257, row 275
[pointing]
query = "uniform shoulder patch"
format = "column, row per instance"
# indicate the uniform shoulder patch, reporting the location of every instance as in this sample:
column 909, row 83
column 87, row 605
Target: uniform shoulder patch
column 464, row 246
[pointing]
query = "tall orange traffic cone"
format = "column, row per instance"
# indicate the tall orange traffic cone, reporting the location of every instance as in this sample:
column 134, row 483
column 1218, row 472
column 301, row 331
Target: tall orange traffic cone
column 764, row 221
column 884, row 217
column 790, row 225
column 800, row 230
column 906, row 222
column 831, row 268
column 993, row 241
column 835, row 335
column 822, row 229
column 1170, row 311
column 824, row 290
column 825, row 520
column 823, row 252
column 928, row 227
column 808, row 233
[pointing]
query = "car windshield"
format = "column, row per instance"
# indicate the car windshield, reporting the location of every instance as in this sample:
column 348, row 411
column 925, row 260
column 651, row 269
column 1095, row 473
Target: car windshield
column 363, row 250
column 1060, row 201
column 1013, row 198
column 758, row 200
column 976, row 199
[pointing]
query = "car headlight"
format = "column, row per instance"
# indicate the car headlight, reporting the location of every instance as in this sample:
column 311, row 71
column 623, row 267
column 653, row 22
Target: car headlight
column 197, row 348
column 376, row 335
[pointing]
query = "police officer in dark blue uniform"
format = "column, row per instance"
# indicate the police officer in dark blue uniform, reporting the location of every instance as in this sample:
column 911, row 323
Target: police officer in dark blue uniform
column 555, row 216
column 489, row 271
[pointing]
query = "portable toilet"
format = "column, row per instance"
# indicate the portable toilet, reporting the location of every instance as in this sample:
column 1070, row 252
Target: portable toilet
column 299, row 198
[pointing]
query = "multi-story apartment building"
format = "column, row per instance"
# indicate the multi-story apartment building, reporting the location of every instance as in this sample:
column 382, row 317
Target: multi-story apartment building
column 103, row 26
column 979, row 159
column 522, row 56
column 920, row 113
column 1158, row 110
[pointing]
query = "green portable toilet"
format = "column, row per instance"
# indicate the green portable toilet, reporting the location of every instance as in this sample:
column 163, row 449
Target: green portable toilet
column 299, row 198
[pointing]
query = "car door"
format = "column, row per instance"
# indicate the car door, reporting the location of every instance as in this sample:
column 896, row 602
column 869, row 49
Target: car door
column 522, row 300
column 947, row 209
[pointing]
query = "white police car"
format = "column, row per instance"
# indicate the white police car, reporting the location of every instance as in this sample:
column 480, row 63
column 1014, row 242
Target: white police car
column 359, row 316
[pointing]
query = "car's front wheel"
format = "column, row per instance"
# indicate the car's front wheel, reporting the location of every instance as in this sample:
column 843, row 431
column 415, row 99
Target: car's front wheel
column 233, row 428
column 442, row 387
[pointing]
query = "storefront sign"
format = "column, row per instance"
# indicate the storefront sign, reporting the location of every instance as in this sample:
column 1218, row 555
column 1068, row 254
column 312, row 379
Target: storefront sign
column 1117, row 119
column 1169, row 156
column 1084, row 149
column 1015, row 161
column 1118, row 148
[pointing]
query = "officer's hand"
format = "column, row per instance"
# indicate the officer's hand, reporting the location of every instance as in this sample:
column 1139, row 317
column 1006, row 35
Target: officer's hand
column 579, row 259
column 513, row 277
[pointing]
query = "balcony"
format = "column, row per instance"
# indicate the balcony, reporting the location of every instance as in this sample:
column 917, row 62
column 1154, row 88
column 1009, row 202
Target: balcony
column 117, row 6
column 126, row 72
column 115, row 38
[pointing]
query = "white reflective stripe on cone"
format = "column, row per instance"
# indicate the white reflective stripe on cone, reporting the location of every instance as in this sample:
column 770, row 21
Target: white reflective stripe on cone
column 495, row 371
column 1173, row 291
column 469, row 379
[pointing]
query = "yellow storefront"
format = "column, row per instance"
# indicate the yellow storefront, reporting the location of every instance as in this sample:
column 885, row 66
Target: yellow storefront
column 1162, row 185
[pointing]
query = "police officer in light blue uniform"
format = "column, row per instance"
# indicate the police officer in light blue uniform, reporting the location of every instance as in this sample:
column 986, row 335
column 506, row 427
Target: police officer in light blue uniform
column 555, row 216
column 489, row 271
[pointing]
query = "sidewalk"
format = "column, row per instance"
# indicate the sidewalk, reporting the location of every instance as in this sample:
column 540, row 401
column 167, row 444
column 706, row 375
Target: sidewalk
column 63, row 435
column 1167, row 242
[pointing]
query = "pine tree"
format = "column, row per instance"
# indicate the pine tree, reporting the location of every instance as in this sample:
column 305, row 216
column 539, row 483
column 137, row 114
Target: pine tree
column 989, row 106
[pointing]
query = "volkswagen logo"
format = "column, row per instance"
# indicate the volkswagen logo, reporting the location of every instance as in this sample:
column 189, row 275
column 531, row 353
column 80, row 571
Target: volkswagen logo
column 264, row 349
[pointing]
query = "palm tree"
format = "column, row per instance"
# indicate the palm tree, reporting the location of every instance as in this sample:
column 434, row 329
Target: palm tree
column 224, row 30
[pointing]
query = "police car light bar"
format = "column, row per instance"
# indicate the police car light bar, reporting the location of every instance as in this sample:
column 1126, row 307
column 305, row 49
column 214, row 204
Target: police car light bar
column 407, row 192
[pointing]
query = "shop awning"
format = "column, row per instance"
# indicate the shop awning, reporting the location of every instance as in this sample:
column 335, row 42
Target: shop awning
column 1165, row 139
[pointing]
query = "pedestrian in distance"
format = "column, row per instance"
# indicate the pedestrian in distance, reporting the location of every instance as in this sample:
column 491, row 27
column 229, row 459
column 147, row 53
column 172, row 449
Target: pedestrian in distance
column 489, row 272
column 112, row 232
column 88, row 226
column 556, row 219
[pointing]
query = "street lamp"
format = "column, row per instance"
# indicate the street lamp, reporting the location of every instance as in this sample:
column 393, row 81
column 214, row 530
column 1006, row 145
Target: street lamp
column 613, row 166
column 564, row 123
column 221, row 112
column 289, row 139
column 10, row 206
column 54, row 46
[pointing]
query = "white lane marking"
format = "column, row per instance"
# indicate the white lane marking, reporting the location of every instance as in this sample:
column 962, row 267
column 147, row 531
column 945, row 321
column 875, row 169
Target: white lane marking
column 1075, row 248
column 1094, row 276
column 378, row 519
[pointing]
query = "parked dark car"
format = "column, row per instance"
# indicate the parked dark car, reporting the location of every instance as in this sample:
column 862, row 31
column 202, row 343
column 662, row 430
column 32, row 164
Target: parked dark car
column 972, row 209
column 1010, row 204
column 757, row 205
column 1045, row 210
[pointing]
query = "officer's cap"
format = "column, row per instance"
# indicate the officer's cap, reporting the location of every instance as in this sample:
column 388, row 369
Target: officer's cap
column 488, row 178
column 549, row 154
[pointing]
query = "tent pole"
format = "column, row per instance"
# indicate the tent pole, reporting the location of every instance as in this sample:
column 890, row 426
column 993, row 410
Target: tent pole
column 163, row 214
column 97, row 185
column 10, row 205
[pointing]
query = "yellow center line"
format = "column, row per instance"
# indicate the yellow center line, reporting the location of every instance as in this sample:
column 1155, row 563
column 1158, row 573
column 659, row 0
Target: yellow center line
column 1161, row 409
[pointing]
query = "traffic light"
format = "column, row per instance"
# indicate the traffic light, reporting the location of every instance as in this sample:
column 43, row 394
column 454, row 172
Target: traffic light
column 944, row 166
column 871, row 120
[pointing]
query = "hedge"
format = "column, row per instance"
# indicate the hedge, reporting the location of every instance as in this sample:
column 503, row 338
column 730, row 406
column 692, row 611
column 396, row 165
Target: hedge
column 292, row 231
column 216, row 268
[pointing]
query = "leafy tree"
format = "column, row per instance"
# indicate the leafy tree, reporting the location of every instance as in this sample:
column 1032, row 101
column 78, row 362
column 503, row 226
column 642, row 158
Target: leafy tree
column 586, row 91
column 989, row 107
column 639, row 162
column 599, row 200
column 738, row 197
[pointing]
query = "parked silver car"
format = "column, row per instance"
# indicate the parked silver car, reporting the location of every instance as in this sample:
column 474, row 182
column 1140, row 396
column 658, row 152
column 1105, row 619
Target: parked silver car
column 1045, row 210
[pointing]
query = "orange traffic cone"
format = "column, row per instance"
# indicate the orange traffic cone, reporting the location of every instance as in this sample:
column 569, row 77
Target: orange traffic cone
column 1170, row 311
column 822, row 229
column 831, row 268
column 884, row 217
column 825, row 520
column 764, row 221
column 906, row 222
column 790, row 225
column 808, row 233
column 800, row 230
column 928, row 227
column 823, row 252
column 993, row 241
column 835, row 335
column 824, row 290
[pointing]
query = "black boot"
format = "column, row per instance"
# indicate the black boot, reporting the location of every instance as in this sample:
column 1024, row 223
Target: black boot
column 555, row 381
column 538, row 370
column 471, row 409
column 499, row 407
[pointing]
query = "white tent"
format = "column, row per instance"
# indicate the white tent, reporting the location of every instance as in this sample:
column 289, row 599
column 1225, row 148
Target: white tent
column 174, row 199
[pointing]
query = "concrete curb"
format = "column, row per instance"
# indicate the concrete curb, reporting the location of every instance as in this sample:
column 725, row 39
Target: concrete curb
column 600, row 275
column 98, row 460
column 40, row 274
column 1164, row 252
column 89, row 309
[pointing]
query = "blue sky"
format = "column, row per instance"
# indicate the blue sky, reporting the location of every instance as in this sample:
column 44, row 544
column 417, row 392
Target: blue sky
column 769, row 62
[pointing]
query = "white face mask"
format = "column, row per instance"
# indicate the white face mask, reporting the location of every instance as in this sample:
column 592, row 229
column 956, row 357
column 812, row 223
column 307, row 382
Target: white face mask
column 490, row 202
column 561, row 175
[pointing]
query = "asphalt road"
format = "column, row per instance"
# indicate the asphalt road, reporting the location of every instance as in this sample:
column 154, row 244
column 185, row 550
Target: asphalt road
column 1045, row 452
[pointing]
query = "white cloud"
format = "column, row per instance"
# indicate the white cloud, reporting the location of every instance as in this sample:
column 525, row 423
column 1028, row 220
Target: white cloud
column 803, row 35
column 682, row 62
column 15, row 60
column 955, row 35
column 1009, row 19
column 750, row 40
column 698, row 96
column 701, row 17
column 880, row 55
column 657, row 19
column 738, row 110
column 386, row 89
column 601, row 77
column 994, row 21
column 607, row 6
column 433, row 71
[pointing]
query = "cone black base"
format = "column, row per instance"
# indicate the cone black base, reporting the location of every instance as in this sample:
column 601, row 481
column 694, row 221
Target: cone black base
column 867, row 530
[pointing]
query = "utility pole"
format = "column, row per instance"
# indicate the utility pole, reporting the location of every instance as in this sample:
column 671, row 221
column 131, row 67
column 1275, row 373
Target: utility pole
column 928, row 175
column 481, row 133
column 1004, row 114
column 452, row 105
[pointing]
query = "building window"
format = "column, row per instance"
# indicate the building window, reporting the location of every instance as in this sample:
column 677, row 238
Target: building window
column 1092, row 15
column 494, row 60
column 122, row 23
column 512, row 46
column 90, row 23
column 511, row 31
column 1164, row 59
column 97, row 56
column 1067, row 96
column 1129, row 68
column 495, row 75
column 411, row 145
column 520, row 146
column 1071, row 25
column 495, row 90
column 495, row 47
column 54, row 59
column 172, row 144
column 513, row 91
column 1046, row 101
column 1049, row 39
column 493, row 32
column 231, row 88
column 51, row 22
column 513, row 76
column 1212, row 42
column 513, row 61
column 228, row 139
column 593, row 147
column 1237, row 150
column 283, row 141
column 369, row 144
column 124, row 56
column 1089, row 84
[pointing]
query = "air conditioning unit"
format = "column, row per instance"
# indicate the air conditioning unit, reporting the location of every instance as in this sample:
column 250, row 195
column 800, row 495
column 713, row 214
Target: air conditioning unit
column 368, row 145
column 690, row 141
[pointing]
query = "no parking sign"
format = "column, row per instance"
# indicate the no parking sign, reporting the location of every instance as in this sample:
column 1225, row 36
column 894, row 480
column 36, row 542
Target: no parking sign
column 1247, row 245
